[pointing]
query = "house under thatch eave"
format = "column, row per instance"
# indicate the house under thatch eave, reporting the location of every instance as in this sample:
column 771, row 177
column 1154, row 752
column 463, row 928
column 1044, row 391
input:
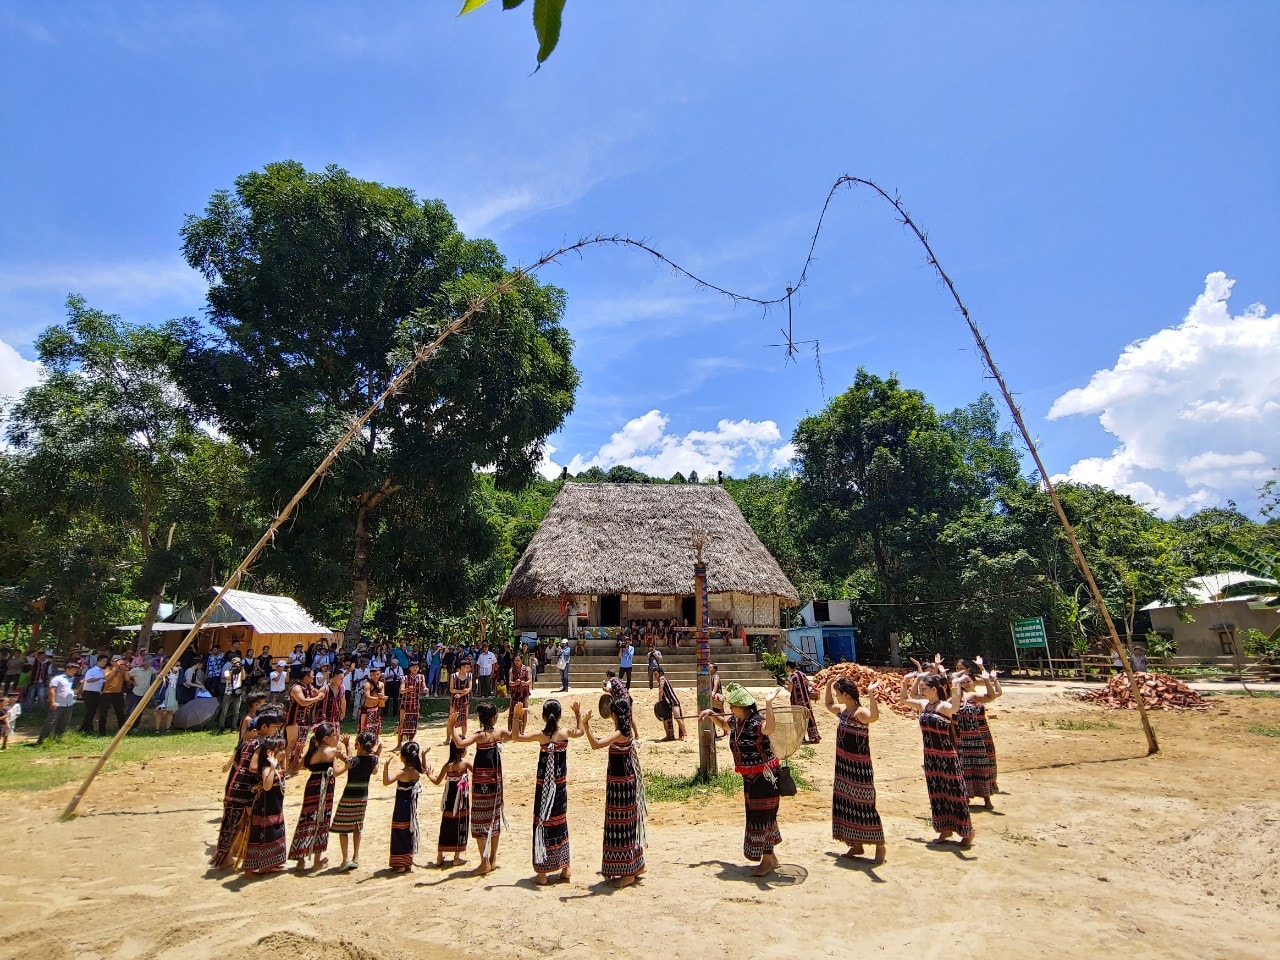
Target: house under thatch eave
column 625, row 552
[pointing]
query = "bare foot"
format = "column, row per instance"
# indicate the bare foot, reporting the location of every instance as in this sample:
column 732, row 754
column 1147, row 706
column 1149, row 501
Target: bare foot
column 481, row 869
column 540, row 879
column 564, row 875
column 621, row 882
column 880, row 855
column 966, row 843
column 458, row 861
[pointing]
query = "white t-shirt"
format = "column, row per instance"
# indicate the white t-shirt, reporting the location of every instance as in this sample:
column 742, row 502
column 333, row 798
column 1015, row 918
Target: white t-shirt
column 486, row 663
column 93, row 678
column 64, row 694
column 278, row 678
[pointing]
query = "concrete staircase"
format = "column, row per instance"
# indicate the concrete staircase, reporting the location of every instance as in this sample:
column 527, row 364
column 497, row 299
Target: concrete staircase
column 681, row 667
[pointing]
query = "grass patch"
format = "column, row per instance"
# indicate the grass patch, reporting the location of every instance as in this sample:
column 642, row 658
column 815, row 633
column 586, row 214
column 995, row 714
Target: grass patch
column 806, row 752
column 25, row 766
column 1085, row 725
column 664, row 788
column 1264, row 731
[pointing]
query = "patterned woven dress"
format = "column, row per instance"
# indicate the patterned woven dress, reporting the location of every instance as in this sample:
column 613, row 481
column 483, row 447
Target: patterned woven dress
column 551, row 809
column 295, row 714
column 312, row 833
column 266, row 849
column 948, row 795
column 624, row 813
column 237, row 798
column 667, row 694
column 486, row 793
column 976, row 749
column 371, row 716
column 404, row 824
column 455, row 813
column 800, row 698
column 854, row 818
column 753, row 758
column 460, row 703
column 349, row 817
column 332, row 706
column 411, row 689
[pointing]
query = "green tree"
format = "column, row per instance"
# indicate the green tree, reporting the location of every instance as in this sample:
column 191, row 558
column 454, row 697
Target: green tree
column 102, row 442
column 876, row 483
column 321, row 285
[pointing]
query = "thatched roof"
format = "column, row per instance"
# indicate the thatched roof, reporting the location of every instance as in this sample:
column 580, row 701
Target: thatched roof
column 604, row 538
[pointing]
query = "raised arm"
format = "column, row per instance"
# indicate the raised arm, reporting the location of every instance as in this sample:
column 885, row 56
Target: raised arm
column 827, row 701
column 871, row 712
column 767, row 727
column 387, row 779
column 436, row 776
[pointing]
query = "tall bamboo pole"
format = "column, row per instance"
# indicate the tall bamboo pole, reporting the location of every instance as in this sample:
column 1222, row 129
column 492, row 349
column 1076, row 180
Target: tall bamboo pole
column 1153, row 745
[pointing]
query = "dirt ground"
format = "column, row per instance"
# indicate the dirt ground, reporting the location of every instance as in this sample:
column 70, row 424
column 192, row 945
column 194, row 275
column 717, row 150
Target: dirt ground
column 1094, row 850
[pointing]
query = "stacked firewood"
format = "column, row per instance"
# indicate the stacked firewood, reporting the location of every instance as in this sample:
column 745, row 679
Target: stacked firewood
column 1159, row 691
column 887, row 694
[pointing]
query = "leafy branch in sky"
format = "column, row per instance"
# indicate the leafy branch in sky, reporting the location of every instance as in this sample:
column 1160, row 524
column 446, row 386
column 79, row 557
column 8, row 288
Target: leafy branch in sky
column 546, row 21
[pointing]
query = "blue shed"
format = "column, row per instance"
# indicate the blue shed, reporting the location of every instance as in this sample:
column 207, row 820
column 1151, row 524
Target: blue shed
column 827, row 634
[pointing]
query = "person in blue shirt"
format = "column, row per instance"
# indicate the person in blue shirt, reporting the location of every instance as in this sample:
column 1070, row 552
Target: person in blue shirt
column 401, row 656
column 625, row 657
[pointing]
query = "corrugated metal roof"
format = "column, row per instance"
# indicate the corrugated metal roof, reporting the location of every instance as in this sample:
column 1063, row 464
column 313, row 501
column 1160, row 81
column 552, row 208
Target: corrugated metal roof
column 271, row 614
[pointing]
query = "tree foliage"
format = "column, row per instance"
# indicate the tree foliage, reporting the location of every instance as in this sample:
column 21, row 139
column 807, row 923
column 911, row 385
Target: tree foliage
column 322, row 285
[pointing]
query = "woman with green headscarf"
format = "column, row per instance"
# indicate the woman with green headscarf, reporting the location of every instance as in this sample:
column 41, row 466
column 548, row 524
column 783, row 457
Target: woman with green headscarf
column 753, row 758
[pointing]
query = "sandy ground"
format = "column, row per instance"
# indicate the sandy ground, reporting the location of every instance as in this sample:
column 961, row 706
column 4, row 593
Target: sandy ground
column 1094, row 850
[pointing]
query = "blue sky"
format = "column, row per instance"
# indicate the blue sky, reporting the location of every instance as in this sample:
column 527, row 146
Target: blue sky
column 1085, row 172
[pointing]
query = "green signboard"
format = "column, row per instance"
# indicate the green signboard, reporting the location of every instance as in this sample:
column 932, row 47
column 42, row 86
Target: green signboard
column 1030, row 633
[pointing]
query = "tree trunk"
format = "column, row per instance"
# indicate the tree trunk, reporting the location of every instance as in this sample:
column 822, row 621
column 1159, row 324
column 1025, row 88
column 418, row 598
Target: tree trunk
column 895, row 649
column 148, row 621
column 360, row 566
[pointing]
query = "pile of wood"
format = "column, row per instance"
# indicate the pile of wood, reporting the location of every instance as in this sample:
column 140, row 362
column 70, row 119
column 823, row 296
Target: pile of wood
column 887, row 694
column 1159, row 691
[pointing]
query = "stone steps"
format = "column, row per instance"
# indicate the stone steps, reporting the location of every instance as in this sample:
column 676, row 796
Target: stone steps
column 681, row 668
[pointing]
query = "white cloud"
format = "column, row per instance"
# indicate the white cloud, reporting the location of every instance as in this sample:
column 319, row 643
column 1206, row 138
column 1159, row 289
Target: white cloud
column 16, row 372
column 1195, row 408
column 546, row 465
column 734, row 446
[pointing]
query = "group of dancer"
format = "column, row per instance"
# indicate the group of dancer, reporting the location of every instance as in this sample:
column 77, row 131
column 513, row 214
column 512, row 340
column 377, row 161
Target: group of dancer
column 252, row 834
column 959, row 764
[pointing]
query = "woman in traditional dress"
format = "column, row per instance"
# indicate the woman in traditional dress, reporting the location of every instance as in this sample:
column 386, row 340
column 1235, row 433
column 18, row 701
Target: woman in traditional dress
column 854, row 818
column 520, row 687
column 375, row 695
column 404, row 816
column 976, row 748
column 348, row 819
column 753, row 758
column 333, row 708
column 248, row 723
column 238, row 795
column 487, row 818
column 798, row 687
column 937, row 702
column 550, row 798
column 667, row 694
column 263, row 830
column 459, row 698
column 298, row 716
column 311, row 836
column 411, row 690
column 624, row 802
column 455, row 805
